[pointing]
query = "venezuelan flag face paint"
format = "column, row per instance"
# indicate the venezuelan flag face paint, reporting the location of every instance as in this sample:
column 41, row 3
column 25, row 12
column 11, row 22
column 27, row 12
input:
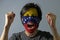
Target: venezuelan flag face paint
column 31, row 12
column 30, row 20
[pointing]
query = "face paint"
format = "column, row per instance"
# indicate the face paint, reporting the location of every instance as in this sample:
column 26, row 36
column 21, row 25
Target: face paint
column 31, row 16
column 33, row 19
column 31, row 12
column 30, row 30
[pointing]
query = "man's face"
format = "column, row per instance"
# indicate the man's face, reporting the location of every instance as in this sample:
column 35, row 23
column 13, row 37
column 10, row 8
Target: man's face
column 30, row 20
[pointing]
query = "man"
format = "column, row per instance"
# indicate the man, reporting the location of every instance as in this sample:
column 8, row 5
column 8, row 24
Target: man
column 31, row 16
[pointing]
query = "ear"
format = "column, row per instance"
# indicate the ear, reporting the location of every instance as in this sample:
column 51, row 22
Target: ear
column 21, row 18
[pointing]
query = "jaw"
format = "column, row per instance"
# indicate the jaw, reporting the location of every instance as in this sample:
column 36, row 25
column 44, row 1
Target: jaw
column 30, row 27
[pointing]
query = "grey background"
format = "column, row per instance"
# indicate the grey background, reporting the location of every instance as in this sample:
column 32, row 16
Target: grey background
column 16, row 5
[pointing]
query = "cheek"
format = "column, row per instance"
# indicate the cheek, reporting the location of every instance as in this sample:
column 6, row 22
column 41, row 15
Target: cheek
column 31, row 30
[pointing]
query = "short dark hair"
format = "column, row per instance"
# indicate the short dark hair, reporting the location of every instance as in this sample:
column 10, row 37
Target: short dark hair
column 31, row 5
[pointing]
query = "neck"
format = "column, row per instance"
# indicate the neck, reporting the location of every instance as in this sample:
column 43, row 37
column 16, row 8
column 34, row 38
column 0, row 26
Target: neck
column 31, row 34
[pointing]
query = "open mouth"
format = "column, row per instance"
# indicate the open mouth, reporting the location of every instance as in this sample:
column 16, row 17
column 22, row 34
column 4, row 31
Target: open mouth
column 30, row 25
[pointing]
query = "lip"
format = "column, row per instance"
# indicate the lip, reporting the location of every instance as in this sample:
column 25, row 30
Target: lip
column 30, row 25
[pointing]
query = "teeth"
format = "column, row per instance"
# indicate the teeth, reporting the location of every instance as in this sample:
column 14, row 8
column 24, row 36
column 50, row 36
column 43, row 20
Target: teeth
column 30, row 28
column 30, row 23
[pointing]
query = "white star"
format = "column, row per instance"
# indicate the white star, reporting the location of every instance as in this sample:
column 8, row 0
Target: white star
column 24, row 22
column 29, row 17
column 25, row 19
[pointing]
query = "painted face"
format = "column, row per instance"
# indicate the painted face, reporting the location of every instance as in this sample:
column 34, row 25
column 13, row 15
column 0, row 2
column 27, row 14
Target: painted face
column 31, row 20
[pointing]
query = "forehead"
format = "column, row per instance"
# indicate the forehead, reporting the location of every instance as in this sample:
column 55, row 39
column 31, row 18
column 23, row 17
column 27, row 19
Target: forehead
column 31, row 11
